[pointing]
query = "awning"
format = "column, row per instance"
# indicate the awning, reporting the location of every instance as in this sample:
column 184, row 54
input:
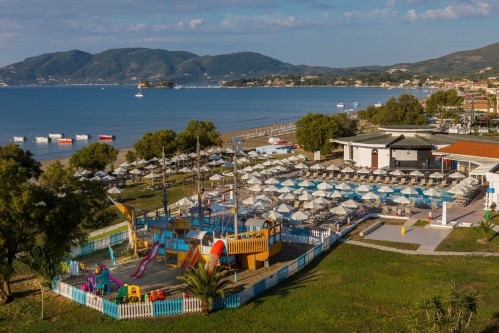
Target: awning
column 481, row 170
column 255, row 222
column 195, row 234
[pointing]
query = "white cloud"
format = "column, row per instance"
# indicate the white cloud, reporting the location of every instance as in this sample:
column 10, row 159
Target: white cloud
column 453, row 12
column 412, row 15
column 385, row 12
column 194, row 24
column 137, row 27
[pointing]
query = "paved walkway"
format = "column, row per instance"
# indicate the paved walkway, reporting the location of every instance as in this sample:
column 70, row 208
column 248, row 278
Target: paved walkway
column 427, row 238
column 440, row 253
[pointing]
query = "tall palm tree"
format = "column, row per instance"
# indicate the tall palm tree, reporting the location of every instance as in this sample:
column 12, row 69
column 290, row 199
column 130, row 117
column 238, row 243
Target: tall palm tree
column 205, row 286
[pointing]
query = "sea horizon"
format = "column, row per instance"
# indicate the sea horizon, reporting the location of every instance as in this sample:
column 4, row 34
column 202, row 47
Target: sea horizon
column 32, row 111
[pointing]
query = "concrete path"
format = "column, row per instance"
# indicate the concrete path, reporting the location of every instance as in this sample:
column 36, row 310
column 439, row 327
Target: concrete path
column 440, row 253
column 430, row 238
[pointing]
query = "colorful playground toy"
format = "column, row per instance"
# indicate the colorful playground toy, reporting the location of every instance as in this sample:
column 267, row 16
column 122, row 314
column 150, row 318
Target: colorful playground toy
column 128, row 294
column 99, row 281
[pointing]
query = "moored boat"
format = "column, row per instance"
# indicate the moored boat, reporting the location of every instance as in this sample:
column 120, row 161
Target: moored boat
column 19, row 138
column 82, row 137
column 65, row 141
column 340, row 105
column 42, row 139
column 56, row 135
column 378, row 104
column 106, row 137
column 139, row 93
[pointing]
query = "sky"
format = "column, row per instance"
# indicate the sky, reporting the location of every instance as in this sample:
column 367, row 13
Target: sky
column 335, row 33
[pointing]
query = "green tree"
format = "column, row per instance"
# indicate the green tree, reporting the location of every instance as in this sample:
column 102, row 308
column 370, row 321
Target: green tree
column 454, row 311
column 151, row 144
column 130, row 156
column 404, row 110
column 443, row 101
column 206, row 287
column 206, row 130
column 315, row 130
column 94, row 157
column 20, row 209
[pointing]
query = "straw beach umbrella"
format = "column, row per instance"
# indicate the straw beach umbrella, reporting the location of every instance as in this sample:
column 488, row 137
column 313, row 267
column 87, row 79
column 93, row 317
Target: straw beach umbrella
column 340, row 210
column 385, row 189
column 409, row 191
column 370, row 196
column 432, row 193
column 436, row 175
column 363, row 188
column 325, row 186
column 349, row 204
column 402, row 200
column 379, row 172
column 343, row 187
column 456, row 175
column 283, row 208
column 287, row 197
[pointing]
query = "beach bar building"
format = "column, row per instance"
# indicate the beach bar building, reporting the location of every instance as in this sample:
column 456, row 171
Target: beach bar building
column 411, row 147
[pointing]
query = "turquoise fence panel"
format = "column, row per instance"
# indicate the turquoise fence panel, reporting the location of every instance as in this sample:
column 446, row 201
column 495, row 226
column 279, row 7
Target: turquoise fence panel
column 317, row 250
column 167, row 307
column 109, row 308
column 228, row 302
column 87, row 248
column 116, row 238
column 259, row 287
column 78, row 295
column 282, row 274
column 301, row 260
column 54, row 283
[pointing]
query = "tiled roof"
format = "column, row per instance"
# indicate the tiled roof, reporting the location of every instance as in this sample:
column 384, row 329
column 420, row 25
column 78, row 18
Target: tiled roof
column 478, row 149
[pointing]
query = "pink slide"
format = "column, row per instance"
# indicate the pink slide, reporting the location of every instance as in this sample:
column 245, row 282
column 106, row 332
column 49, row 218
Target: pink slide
column 143, row 264
column 115, row 280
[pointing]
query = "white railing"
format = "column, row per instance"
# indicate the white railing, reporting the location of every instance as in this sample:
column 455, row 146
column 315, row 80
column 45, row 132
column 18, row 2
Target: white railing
column 192, row 304
column 135, row 310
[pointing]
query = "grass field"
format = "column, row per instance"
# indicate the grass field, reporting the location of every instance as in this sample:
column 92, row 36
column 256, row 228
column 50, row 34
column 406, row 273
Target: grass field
column 465, row 240
column 349, row 289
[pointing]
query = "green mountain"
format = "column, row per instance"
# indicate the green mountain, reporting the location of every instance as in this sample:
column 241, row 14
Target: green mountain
column 463, row 63
column 131, row 65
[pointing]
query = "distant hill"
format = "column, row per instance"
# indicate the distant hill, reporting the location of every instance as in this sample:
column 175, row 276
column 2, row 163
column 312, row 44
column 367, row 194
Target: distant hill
column 463, row 62
column 131, row 65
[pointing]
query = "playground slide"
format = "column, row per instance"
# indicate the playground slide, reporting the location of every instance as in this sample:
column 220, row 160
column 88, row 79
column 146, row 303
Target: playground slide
column 115, row 280
column 191, row 258
column 143, row 264
column 215, row 253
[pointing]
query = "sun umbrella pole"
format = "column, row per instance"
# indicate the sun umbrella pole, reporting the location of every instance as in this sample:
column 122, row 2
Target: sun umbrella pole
column 165, row 193
column 235, row 142
column 198, row 161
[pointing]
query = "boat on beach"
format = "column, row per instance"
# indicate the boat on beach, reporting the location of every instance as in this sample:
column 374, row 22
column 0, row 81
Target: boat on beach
column 42, row 139
column 19, row 138
column 65, row 141
column 106, row 137
column 82, row 137
column 56, row 135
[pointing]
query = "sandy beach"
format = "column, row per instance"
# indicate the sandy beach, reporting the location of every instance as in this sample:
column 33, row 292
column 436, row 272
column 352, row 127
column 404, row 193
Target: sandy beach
column 249, row 143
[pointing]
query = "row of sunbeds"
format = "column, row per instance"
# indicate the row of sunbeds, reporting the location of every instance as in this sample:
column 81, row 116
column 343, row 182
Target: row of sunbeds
column 381, row 179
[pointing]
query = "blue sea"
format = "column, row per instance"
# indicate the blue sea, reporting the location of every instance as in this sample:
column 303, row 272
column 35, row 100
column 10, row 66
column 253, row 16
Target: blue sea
column 94, row 110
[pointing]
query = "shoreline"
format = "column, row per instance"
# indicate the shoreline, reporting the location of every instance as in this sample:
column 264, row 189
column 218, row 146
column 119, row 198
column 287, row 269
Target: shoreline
column 226, row 143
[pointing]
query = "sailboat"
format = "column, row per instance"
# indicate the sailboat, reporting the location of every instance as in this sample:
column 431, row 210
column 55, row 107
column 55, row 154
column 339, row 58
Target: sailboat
column 139, row 93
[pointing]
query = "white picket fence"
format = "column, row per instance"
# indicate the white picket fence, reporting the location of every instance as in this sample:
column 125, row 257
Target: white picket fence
column 135, row 310
column 98, row 244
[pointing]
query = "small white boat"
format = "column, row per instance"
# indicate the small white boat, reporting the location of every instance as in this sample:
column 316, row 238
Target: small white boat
column 19, row 138
column 56, row 135
column 82, row 137
column 378, row 104
column 139, row 93
column 42, row 139
column 355, row 104
column 340, row 105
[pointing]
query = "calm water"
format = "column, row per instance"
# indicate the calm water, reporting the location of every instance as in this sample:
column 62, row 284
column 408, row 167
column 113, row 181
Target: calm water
column 37, row 111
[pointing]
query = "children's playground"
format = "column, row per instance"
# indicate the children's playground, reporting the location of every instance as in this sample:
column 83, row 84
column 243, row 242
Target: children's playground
column 169, row 247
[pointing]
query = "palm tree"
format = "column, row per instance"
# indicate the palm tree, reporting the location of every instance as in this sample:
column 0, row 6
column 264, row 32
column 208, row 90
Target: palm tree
column 206, row 287
column 485, row 227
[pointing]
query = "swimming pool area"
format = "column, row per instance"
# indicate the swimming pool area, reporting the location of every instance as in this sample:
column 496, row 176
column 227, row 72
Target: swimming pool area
column 357, row 191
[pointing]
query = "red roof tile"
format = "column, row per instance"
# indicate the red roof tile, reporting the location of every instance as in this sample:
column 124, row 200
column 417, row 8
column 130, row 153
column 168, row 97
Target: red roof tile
column 477, row 149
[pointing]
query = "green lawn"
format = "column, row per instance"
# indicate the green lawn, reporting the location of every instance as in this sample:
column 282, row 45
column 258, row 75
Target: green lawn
column 349, row 289
column 465, row 240
column 421, row 223
column 396, row 245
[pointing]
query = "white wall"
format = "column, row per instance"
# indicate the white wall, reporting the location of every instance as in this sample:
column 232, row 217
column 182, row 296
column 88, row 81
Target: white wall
column 383, row 158
column 363, row 157
column 493, row 180
column 405, row 155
